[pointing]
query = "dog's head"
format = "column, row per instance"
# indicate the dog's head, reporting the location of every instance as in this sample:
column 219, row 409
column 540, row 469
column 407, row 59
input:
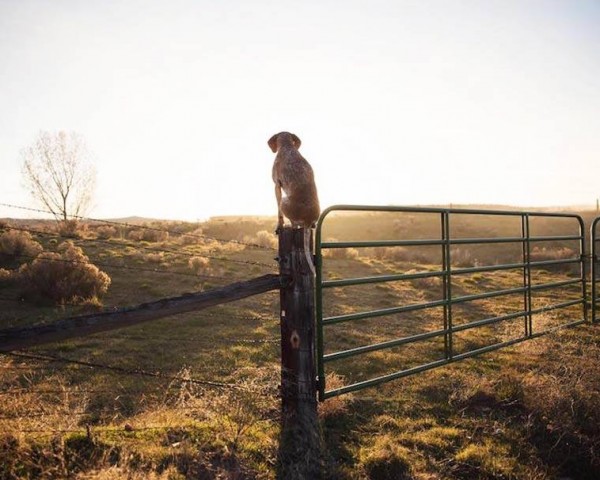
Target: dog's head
column 284, row 138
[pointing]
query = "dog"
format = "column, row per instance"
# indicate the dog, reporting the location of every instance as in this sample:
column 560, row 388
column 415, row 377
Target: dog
column 294, row 177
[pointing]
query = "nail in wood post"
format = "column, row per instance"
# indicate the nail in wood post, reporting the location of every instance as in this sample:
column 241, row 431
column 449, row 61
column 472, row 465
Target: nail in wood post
column 300, row 443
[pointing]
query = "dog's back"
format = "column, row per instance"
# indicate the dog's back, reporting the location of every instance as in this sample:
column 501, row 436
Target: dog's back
column 295, row 176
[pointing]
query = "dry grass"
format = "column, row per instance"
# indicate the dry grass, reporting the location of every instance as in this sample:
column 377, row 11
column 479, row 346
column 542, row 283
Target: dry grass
column 527, row 412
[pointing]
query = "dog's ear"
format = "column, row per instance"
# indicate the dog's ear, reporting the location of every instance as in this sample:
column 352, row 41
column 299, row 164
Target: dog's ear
column 297, row 141
column 273, row 143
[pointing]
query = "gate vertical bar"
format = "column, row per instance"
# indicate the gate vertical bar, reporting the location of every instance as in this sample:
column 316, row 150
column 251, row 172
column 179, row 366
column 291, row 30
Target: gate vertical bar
column 594, row 267
column 300, row 444
column 583, row 275
column 447, row 285
column 319, row 311
column 527, row 273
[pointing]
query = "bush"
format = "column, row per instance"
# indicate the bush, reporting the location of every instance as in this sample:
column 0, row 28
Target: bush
column 157, row 257
column 15, row 243
column 340, row 253
column 148, row 235
column 70, row 229
column 262, row 238
column 6, row 275
column 66, row 275
column 105, row 232
column 200, row 265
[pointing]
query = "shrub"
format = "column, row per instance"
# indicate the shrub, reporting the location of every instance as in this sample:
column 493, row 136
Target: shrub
column 157, row 257
column 66, row 275
column 262, row 238
column 200, row 265
column 463, row 258
column 105, row 232
column 6, row 275
column 69, row 229
column 266, row 239
column 148, row 235
column 340, row 253
column 193, row 237
column 15, row 243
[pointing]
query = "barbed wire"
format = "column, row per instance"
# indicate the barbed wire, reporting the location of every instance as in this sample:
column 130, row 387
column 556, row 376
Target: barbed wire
column 35, row 414
column 54, row 391
column 123, row 370
column 122, row 267
column 142, row 247
column 100, row 429
column 224, row 371
column 145, row 227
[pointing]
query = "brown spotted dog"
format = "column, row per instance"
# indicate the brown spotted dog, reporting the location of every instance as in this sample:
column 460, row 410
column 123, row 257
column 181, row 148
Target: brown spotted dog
column 294, row 176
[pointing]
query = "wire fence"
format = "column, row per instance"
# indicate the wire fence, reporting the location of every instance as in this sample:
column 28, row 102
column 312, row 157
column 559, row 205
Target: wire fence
column 123, row 370
column 124, row 243
column 28, row 380
column 141, row 226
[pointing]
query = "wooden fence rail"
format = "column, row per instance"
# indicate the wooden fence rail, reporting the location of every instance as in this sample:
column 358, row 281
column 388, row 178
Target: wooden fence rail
column 83, row 325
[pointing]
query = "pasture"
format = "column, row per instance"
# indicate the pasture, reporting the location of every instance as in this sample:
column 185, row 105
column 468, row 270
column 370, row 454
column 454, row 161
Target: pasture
column 195, row 395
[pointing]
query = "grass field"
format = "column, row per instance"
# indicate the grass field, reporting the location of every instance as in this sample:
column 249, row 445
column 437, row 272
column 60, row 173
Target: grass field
column 144, row 409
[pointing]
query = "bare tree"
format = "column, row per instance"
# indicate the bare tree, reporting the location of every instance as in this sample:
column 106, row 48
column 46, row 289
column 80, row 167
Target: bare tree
column 58, row 171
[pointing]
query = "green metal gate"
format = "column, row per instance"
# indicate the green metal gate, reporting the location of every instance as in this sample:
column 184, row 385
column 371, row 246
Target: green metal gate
column 595, row 241
column 527, row 245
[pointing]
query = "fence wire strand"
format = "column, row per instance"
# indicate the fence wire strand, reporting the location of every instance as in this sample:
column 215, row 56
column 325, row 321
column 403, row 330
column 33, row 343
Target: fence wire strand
column 122, row 267
column 124, row 243
column 123, row 370
column 145, row 227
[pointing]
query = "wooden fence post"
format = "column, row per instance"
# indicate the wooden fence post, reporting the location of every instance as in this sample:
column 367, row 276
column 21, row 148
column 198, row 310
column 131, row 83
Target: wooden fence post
column 300, row 443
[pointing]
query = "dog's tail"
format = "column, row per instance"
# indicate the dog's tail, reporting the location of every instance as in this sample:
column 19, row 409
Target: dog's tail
column 307, row 237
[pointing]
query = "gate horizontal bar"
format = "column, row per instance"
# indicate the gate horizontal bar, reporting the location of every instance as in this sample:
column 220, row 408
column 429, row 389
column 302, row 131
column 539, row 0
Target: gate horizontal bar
column 438, row 273
column 379, row 279
column 382, row 346
column 556, row 306
column 482, row 296
column 382, row 312
column 433, row 242
column 558, row 327
column 454, row 211
column 381, row 243
column 486, row 240
column 383, row 379
column 421, row 368
column 487, row 321
column 545, row 286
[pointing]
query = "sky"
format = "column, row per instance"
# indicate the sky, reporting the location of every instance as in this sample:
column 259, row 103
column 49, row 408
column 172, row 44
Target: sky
column 396, row 101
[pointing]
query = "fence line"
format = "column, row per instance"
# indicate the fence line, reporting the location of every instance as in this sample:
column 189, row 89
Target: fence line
column 112, row 309
column 123, row 370
column 121, row 267
column 138, row 246
column 145, row 227
column 20, row 337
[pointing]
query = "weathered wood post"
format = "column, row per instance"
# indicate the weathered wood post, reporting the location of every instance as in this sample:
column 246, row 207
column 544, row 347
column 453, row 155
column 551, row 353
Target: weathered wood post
column 300, row 443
